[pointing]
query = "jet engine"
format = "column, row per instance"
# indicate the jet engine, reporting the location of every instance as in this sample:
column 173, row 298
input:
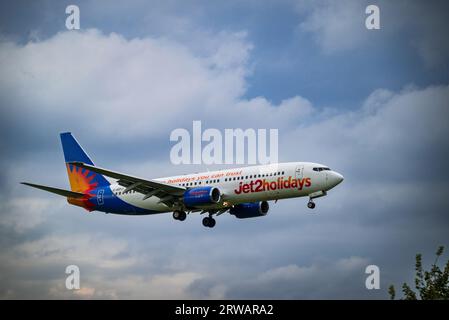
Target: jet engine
column 250, row 210
column 201, row 196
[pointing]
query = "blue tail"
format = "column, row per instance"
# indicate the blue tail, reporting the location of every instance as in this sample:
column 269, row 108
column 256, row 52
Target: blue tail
column 81, row 180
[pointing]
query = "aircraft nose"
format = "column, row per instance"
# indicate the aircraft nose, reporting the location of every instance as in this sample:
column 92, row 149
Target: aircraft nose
column 334, row 178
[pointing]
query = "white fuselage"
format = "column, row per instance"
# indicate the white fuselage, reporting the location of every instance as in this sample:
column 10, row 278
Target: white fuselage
column 248, row 184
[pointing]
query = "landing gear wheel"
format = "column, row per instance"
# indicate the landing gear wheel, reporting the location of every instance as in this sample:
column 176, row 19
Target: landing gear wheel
column 183, row 216
column 311, row 205
column 209, row 222
column 179, row 215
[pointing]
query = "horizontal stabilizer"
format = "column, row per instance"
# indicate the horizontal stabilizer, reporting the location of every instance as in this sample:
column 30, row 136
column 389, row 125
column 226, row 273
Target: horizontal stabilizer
column 61, row 192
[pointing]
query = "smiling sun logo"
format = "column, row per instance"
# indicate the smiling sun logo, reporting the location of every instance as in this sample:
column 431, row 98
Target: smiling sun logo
column 81, row 180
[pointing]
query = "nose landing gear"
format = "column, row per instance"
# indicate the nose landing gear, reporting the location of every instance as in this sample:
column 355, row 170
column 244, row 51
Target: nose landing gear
column 314, row 195
column 311, row 204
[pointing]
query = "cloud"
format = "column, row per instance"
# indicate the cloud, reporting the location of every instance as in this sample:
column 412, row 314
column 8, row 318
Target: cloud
column 24, row 214
column 103, row 252
column 326, row 279
column 162, row 286
column 77, row 78
column 339, row 27
column 99, row 258
column 107, row 270
column 82, row 85
column 411, row 121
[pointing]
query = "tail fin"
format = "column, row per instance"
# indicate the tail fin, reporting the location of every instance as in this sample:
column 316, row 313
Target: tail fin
column 81, row 180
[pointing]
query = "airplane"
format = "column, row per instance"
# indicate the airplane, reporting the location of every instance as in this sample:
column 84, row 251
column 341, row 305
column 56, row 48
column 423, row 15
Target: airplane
column 244, row 192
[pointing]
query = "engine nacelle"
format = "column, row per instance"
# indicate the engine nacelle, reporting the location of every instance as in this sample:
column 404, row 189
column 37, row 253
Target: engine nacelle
column 250, row 210
column 201, row 196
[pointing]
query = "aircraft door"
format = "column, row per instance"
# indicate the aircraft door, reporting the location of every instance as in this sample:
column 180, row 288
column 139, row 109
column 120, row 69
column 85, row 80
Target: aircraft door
column 299, row 172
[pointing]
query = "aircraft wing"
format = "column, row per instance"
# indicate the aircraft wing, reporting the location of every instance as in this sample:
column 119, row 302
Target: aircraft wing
column 166, row 192
column 61, row 192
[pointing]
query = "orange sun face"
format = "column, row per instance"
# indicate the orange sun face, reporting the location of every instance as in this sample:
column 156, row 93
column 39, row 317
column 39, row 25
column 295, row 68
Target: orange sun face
column 81, row 179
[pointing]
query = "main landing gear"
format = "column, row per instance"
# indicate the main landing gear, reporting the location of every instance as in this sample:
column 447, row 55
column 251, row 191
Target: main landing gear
column 209, row 222
column 179, row 215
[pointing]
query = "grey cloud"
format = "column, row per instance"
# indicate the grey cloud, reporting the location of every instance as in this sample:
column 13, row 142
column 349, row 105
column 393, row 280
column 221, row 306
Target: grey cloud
column 340, row 26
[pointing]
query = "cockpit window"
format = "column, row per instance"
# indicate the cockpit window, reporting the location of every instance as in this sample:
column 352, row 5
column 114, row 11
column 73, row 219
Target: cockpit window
column 320, row 169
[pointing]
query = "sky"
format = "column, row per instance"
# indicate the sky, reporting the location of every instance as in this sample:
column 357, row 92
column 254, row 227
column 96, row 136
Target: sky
column 371, row 104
